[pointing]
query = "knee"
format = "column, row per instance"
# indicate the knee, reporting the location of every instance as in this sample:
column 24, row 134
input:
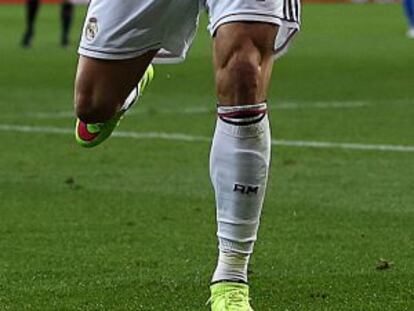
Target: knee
column 243, row 70
column 91, row 109
column 238, row 80
column 243, row 61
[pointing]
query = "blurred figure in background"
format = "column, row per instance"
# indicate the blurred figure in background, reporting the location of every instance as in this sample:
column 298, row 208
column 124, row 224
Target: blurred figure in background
column 409, row 11
column 66, row 17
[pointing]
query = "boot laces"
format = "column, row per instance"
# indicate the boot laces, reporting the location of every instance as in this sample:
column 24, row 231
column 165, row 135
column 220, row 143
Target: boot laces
column 233, row 300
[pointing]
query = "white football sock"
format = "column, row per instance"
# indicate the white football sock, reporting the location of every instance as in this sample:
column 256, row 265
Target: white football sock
column 239, row 163
column 132, row 97
column 231, row 267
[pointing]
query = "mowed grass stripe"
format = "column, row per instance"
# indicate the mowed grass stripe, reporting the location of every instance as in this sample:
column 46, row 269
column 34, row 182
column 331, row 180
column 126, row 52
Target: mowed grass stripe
column 194, row 138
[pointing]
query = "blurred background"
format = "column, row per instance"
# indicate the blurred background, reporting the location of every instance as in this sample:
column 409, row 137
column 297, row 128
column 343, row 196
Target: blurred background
column 130, row 224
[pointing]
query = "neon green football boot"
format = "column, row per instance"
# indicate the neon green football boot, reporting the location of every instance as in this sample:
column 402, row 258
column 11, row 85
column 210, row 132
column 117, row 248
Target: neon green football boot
column 230, row 296
column 93, row 134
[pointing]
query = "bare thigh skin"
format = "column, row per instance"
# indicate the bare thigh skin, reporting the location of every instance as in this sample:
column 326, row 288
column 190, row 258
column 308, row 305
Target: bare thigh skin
column 102, row 86
column 243, row 62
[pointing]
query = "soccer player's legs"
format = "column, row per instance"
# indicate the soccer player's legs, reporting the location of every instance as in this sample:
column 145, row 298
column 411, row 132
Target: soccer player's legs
column 409, row 11
column 66, row 19
column 32, row 8
column 247, row 36
column 118, row 44
column 240, row 155
column 104, row 90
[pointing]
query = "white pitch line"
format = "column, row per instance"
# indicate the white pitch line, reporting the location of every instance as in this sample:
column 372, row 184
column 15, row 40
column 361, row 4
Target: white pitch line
column 204, row 110
column 51, row 115
column 321, row 105
column 345, row 146
column 192, row 138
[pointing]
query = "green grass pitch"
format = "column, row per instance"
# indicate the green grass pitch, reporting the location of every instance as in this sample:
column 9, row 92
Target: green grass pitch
column 131, row 225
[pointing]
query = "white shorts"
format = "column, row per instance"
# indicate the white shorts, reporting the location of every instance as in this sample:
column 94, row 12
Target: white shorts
column 129, row 28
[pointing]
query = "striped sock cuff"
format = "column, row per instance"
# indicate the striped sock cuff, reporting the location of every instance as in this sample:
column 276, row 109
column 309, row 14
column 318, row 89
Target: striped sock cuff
column 242, row 115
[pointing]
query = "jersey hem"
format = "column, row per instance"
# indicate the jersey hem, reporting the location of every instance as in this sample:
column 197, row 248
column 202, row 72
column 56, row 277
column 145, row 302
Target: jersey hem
column 251, row 17
column 115, row 54
column 161, row 57
column 279, row 50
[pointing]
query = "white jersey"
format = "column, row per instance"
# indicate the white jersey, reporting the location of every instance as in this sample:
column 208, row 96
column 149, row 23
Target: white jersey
column 129, row 28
